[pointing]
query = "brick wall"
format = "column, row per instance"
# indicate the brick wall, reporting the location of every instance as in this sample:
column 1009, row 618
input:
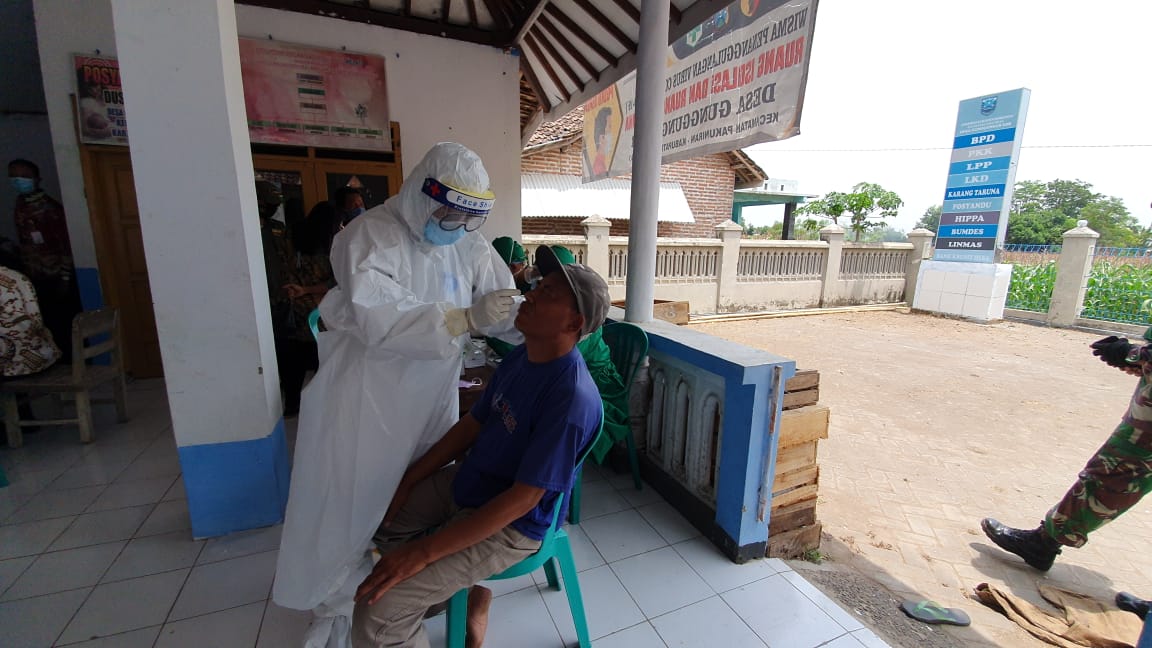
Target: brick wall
column 707, row 181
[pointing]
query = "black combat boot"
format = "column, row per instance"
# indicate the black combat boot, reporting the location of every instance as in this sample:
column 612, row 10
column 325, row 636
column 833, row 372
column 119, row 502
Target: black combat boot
column 1035, row 546
column 1130, row 603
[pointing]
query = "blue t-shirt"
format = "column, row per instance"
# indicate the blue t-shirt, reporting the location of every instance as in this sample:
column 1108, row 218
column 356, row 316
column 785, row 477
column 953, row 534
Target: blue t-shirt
column 536, row 419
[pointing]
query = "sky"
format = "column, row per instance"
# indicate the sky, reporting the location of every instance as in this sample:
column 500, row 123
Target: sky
column 888, row 74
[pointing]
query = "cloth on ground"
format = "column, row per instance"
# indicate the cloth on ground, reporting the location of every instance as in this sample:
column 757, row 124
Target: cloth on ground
column 1085, row 622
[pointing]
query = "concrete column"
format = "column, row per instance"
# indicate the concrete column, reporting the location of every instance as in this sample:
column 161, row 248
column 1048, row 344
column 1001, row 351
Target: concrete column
column 596, row 229
column 1072, row 270
column 651, row 51
column 788, row 226
column 830, row 278
column 184, row 99
column 921, row 240
column 726, row 291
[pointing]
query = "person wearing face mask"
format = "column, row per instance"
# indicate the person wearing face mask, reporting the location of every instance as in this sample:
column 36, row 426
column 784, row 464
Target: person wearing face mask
column 46, row 252
column 349, row 204
column 413, row 279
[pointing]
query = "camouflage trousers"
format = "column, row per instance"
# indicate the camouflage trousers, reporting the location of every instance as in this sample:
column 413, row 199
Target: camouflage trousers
column 1115, row 478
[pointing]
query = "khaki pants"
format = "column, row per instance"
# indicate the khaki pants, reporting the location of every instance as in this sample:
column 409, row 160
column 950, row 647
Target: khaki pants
column 396, row 620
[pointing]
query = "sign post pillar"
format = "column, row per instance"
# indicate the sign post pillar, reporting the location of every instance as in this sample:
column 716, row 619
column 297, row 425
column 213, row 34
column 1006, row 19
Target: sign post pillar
column 963, row 277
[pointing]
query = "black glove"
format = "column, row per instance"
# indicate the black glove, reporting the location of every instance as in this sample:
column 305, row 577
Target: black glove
column 1113, row 351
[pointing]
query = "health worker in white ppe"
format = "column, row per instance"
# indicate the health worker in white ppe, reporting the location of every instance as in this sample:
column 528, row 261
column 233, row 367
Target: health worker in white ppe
column 414, row 280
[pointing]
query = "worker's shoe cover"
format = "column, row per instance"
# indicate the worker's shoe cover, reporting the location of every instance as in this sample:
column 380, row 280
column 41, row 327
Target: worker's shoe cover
column 1035, row 546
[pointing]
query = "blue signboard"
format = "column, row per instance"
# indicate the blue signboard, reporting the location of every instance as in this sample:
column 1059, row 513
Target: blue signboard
column 981, row 175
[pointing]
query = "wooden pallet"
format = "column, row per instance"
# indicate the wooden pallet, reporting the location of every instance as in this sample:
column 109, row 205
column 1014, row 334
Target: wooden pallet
column 793, row 528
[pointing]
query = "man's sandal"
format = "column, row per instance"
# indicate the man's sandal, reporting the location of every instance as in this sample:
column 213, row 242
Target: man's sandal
column 932, row 612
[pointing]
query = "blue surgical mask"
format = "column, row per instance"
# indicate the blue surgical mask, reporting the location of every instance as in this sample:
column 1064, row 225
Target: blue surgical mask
column 23, row 185
column 436, row 235
column 352, row 213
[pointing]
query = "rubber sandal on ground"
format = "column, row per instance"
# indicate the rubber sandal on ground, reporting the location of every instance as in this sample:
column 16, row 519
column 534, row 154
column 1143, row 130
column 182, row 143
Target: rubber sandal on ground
column 932, row 612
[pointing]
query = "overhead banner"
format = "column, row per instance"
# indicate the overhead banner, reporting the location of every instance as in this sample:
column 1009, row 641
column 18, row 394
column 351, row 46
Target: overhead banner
column 737, row 79
column 981, row 176
column 311, row 97
column 100, row 100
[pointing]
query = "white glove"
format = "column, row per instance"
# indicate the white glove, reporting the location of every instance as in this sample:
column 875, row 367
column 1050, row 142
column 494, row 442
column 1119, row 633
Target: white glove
column 490, row 309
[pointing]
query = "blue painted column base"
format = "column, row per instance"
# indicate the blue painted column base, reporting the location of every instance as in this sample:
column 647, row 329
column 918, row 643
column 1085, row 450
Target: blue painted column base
column 238, row 485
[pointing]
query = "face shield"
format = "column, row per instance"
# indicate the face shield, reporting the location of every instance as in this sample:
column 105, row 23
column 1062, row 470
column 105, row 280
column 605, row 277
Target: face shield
column 460, row 209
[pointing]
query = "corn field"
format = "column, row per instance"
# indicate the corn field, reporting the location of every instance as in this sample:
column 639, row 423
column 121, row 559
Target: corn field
column 1117, row 288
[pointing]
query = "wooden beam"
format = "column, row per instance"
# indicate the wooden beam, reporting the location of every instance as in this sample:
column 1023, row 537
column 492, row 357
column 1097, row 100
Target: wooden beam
column 547, row 44
column 534, row 83
column 498, row 38
column 472, row 20
column 530, row 19
column 695, row 14
column 499, row 12
column 632, row 12
column 531, row 47
column 408, row 8
column 571, row 25
column 607, row 24
column 445, row 9
column 566, row 43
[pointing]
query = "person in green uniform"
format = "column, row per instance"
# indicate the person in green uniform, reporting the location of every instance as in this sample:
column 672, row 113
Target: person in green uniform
column 1113, row 480
column 595, row 351
column 514, row 257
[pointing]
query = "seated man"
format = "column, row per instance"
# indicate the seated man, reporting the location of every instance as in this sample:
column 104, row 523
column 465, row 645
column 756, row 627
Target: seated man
column 26, row 345
column 523, row 439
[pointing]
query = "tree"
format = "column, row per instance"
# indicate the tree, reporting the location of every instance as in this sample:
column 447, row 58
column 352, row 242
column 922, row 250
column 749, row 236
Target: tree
column 1043, row 211
column 866, row 205
column 885, row 234
column 930, row 220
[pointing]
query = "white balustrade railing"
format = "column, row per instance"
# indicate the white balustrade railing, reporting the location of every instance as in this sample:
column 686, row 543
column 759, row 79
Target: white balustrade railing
column 888, row 261
column 771, row 261
column 761, row 275
column 577, row 244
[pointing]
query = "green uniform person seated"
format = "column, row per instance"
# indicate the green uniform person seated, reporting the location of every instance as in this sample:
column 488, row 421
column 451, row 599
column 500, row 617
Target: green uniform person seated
column 593, row 348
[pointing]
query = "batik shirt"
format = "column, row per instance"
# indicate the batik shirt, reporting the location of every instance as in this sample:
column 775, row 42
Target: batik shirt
column 26, row 347
column 43, row 234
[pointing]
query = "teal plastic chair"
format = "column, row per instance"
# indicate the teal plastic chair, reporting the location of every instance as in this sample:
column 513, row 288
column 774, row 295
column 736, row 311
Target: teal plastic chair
column 628, row 345
column 555, row 549
column 314, row 323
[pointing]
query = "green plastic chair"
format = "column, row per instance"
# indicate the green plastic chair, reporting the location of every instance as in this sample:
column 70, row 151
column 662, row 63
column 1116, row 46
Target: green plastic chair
column 628, row 345
column 555, row 549
column 314, row 323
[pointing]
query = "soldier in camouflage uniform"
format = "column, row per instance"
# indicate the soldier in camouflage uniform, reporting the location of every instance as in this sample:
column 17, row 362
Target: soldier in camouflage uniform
column 1115, row 478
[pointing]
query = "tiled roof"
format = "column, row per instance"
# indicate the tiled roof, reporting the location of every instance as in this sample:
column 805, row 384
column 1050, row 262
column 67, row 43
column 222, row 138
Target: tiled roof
column 560, row 130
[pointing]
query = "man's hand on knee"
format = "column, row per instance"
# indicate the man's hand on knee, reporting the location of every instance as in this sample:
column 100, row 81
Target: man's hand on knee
column 394, row 567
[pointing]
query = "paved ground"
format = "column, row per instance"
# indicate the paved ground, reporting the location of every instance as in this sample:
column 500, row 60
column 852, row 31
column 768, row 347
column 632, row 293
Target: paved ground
column 937, row 423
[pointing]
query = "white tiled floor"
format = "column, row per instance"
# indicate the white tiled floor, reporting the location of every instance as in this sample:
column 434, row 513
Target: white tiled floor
column 95, row 550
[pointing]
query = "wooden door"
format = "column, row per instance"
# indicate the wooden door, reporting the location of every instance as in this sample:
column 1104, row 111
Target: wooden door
column 120, row 253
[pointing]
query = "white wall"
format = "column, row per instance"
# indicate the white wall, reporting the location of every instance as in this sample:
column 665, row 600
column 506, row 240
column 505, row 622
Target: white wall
column 64, row 28
column 438, row 90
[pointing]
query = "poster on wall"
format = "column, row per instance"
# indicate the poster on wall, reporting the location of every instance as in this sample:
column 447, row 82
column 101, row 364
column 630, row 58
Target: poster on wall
column 100, row 100
column 735, row 80
column 302, row 96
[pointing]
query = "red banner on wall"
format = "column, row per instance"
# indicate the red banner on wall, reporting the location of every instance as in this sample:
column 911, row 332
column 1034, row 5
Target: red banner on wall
column 311, row 97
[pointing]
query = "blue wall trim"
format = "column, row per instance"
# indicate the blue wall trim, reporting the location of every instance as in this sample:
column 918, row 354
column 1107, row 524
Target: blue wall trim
column 88, row 280
column 237, row 485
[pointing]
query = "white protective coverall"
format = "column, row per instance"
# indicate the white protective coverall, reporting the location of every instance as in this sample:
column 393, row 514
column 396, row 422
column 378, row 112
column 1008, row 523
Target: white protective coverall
column 386, row 389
